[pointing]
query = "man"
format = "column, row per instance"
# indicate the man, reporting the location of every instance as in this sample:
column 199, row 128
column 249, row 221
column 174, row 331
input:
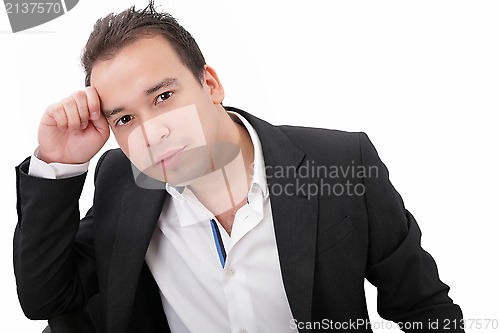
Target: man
column 207, row 219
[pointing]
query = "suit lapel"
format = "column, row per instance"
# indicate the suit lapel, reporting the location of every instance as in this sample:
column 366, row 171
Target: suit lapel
column 295, row 221
column 140, row 211
column 294, row 215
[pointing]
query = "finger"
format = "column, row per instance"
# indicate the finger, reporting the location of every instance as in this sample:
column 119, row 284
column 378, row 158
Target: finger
column 56, row 112
column 93, row 102
column 80, row 99
column 102, row 125
column 97, row 119
column 71, row 110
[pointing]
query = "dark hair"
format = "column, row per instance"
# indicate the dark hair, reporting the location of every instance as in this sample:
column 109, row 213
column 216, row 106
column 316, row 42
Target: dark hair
column 113, row 32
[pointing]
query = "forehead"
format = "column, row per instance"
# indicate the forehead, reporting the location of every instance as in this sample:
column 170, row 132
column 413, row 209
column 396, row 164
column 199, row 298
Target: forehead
column 147, row 54
column 121, row 81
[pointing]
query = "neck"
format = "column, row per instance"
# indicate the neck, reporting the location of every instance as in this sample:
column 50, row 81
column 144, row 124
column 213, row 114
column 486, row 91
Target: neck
column 224, row 190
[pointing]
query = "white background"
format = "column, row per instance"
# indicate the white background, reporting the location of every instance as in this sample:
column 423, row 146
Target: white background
column 421, row 78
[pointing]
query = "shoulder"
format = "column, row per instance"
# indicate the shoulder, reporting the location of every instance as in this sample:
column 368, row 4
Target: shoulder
column 321, row 140
column 112, row 158
column 315, row 133
column 113, row 164
column 308, row 139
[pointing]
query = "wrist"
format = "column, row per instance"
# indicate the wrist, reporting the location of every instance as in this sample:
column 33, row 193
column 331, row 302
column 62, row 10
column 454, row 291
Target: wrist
column 49, row 160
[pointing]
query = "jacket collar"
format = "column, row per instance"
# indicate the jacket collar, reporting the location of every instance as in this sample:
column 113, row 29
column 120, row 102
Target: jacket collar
column 140, row 210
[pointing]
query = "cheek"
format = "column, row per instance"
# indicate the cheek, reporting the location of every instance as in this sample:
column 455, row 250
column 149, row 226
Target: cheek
column 185, row 125
column 133, row 145
column 122, row 142
column 193, row 124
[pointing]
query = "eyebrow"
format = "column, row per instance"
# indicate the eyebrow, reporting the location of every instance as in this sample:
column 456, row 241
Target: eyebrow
column 168, row 82
column 163, row 84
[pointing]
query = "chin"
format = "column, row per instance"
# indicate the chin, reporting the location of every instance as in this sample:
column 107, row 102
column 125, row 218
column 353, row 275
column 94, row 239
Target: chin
column 172, row 177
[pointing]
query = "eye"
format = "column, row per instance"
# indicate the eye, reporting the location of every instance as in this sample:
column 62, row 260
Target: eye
column 123, row 120
column 163, row 97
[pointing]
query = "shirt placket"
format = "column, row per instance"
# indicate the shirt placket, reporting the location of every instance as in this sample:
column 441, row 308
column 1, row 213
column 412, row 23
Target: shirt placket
column 238, row 298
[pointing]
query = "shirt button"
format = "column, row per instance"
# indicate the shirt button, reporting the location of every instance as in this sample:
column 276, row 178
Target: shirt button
column 230, row 272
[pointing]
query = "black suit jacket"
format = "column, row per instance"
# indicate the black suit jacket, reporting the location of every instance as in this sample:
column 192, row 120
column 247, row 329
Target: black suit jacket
column 91, row 275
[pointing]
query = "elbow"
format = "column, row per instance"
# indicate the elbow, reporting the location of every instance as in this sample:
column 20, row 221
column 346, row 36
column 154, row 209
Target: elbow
column 34, row 308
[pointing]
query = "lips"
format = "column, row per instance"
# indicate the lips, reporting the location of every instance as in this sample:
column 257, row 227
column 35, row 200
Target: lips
column 167, row 155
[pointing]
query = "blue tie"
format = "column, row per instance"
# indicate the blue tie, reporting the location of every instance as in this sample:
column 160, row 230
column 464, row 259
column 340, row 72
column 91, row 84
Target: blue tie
column 218, row 243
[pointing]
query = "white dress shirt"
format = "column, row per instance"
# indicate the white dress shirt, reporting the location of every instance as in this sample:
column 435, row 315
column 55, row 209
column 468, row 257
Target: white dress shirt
column 198, row 294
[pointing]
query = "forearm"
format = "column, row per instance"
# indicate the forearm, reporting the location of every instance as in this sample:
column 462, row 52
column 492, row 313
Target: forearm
column 45, row 251
column 409, row 289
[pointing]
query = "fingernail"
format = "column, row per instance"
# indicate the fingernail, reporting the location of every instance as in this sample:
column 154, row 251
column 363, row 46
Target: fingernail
column 94, row 115
column 83, row 126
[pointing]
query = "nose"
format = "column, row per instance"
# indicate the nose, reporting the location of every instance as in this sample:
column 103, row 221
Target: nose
column 155, row 130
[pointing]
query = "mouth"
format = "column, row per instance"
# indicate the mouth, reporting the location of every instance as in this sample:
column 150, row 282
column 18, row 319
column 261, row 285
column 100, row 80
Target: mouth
column 168, row 156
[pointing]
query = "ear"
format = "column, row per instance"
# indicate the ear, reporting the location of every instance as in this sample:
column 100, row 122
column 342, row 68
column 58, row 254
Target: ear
column 215, row 89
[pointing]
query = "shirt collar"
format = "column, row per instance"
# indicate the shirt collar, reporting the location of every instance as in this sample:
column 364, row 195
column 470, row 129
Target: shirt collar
column 259, row 181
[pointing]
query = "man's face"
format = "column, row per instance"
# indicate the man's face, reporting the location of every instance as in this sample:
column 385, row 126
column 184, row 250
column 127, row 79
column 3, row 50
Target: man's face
column 162, row 117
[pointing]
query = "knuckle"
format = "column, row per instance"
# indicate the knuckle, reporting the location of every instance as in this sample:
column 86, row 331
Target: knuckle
column 89, row 90
column 92, row 99
column 78, row 95
column 58, row 110
column 68, row 102
column 82, row 102
column 53, row 108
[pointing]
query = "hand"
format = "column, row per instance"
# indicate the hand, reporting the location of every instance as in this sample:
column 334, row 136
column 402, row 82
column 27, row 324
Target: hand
column 73, row 130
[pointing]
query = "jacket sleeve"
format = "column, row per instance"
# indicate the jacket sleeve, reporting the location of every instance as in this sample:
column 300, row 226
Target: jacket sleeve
column 409, row 289
column 54, row 261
